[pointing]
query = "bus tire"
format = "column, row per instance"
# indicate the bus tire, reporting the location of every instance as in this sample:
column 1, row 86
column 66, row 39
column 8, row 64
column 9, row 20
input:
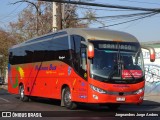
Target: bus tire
column 67, row 99
column 113, row 106
column 23, row 97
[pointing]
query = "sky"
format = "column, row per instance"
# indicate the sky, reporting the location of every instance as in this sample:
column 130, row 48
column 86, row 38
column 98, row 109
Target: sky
column 147, row 29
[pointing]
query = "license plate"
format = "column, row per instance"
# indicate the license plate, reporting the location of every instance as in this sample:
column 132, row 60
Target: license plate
column 121, row 99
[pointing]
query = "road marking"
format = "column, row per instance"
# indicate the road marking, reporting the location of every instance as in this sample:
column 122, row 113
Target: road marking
column 4, row 99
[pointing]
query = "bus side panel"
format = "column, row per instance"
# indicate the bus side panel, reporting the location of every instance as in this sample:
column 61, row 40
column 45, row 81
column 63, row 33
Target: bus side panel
column 47, row 80
column 56, row 75
column 33, row 84
column 15, row 77
column 12, row 80
column 53, row 75
column 79, row 91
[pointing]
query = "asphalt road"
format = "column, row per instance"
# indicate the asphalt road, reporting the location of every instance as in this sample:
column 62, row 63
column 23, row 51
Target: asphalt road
column 10, row 102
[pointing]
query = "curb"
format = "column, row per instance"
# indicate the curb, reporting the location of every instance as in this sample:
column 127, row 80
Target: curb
column 5, row 86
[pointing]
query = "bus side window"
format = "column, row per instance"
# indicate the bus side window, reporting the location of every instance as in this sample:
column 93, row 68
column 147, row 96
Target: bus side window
column 10, row 57
column 78, row 55
column 75, row 48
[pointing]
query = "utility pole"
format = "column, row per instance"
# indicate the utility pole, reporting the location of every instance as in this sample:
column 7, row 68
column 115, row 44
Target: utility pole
column 63, row 16
column 57, row 16
column 54, row 22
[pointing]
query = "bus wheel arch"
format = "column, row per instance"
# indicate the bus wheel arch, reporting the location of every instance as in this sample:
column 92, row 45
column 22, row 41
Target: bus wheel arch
column 66, row 98
column 22, row 95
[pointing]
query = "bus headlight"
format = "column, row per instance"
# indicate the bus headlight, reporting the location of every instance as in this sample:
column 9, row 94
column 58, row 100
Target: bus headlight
column 139, row 91
column 98, row 89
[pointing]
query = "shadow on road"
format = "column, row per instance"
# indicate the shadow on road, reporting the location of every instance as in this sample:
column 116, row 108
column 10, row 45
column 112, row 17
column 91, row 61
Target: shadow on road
column 3, row 91
column 42, row 100
column 147, row 105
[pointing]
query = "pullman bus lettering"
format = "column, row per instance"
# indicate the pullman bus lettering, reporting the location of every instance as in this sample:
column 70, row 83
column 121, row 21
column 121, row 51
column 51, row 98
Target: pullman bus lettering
column 105, row 70
column 50, row 67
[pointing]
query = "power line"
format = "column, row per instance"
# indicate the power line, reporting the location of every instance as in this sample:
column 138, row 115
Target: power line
column 106, row 5
column 117, row 16
column 142, row 16
column 10, row 18
column 89, row 8
column 12, row 11
column 130, row 20
column 136, row 16
column 133, row 1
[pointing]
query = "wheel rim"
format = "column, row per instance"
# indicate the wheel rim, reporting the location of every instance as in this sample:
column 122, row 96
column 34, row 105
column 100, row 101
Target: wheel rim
column 22, row 93
column 67, row 98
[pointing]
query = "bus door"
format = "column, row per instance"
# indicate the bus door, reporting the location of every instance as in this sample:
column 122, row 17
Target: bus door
column 79, row 57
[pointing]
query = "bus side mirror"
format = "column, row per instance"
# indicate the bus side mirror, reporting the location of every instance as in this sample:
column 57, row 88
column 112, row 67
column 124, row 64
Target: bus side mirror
column 151, row 52
column 90, row 51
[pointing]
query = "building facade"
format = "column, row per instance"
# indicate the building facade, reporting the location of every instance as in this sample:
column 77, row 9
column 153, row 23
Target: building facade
column 152, row 69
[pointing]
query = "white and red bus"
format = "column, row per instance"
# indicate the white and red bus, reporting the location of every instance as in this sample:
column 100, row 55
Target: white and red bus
column 79, row 65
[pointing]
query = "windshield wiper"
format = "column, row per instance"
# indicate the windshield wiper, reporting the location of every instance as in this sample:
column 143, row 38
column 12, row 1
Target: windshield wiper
column 117, row 66
column 111, row 74
column 136, row 56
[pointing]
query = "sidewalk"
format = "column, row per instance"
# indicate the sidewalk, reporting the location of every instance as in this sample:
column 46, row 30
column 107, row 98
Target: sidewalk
column 5, row 86
column 152, row 99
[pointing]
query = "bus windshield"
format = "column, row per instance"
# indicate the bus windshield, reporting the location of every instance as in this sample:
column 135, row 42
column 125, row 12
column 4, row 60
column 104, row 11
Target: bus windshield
column 117, row 61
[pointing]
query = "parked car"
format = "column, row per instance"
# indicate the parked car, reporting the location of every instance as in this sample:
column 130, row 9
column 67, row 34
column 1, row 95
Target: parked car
column 1, row 81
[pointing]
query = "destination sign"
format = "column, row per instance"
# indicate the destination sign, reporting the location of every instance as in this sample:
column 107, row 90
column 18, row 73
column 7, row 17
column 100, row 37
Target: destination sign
column 117, row 46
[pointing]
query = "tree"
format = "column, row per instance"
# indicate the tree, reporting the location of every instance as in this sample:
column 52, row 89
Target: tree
column 32, row 22
column 36, row 20
column 6, row 41
column 70, row 18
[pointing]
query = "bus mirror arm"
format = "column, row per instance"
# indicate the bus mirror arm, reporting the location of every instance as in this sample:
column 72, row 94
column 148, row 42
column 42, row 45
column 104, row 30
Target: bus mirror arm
column 151, row 52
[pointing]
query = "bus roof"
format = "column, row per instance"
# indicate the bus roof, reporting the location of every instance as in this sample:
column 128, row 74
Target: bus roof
column 102, row 34
column 89, row 34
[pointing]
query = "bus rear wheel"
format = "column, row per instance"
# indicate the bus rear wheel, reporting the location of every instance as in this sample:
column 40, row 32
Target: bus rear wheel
column 67, row 99
column 23, row 97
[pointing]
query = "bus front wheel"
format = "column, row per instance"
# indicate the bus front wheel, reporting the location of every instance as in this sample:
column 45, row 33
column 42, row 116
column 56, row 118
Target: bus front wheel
column 23, row 97
column 67, row 99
